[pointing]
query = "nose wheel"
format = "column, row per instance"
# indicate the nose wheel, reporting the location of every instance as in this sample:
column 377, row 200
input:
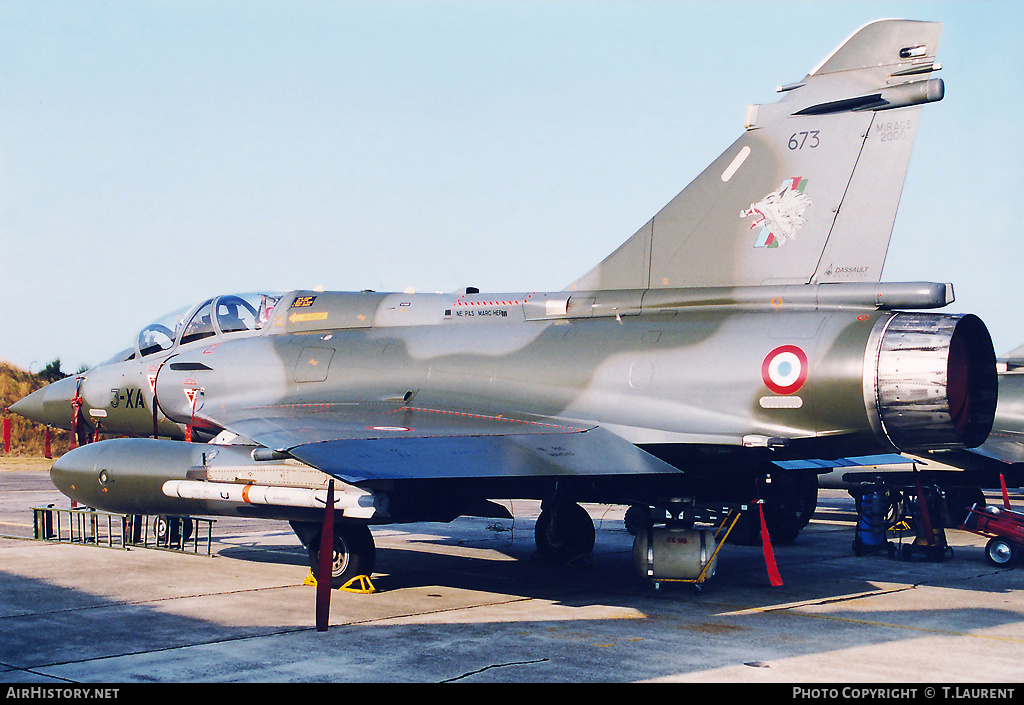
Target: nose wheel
column 354, row 553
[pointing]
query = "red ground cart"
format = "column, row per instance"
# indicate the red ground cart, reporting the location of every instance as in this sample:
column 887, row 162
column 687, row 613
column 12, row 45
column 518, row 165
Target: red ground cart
column 1003, row 525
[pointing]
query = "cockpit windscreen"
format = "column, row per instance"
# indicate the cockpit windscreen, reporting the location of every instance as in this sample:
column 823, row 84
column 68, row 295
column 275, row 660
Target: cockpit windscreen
column 224, row 315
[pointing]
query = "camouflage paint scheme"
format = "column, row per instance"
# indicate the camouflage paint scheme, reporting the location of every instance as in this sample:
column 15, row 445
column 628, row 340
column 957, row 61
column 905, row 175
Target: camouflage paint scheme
column 743, row 324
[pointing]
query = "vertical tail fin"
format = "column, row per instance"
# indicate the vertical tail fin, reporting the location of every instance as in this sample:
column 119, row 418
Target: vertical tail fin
column 809, row 192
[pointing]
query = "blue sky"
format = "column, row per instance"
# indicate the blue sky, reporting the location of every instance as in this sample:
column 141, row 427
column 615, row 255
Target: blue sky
column 155, row 153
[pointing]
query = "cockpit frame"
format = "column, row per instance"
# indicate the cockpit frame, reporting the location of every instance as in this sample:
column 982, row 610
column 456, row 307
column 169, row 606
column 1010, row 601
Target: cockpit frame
column 231, row 315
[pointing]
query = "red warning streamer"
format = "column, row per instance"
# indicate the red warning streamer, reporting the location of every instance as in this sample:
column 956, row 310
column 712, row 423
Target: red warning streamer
column 76, row 412
column 769, row 555
column 323, row 577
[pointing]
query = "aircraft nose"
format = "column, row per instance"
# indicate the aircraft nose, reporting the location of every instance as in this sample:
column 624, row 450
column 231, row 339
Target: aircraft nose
column 50, row 405
column 31, row 407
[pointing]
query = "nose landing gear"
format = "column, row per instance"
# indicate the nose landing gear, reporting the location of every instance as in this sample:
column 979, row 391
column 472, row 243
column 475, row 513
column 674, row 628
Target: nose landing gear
column 354, row 552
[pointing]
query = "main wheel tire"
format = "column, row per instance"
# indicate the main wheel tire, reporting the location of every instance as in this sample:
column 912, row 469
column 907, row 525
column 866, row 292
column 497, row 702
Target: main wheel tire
column 789, row 503
column 354, row 553
column 637, row 518
column 564, row 534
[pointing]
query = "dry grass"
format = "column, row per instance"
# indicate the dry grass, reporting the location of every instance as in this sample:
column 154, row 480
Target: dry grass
column 27, row 438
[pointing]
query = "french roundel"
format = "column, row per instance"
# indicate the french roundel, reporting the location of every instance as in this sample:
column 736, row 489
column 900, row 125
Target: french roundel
column 784, row 369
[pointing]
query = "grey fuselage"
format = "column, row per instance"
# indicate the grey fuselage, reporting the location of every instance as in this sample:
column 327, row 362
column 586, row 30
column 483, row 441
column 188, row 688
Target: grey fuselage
column 684, row 375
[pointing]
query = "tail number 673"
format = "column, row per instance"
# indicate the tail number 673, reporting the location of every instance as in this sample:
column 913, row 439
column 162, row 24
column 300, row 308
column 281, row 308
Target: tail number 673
column 809, row 139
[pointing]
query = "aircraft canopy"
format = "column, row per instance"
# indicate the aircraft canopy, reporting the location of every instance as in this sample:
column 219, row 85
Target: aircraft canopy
column 223, row 315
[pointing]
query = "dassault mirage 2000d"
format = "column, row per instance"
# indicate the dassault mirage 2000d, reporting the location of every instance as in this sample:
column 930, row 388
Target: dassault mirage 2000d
column 743, row 324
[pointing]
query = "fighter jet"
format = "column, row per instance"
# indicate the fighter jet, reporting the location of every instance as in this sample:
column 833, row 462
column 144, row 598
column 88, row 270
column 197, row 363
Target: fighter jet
column 742, row 325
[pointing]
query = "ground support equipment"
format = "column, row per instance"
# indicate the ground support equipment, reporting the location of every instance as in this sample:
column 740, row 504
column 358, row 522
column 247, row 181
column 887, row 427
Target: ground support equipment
column 1004, row 528
column 124, row 531
column 645, row 553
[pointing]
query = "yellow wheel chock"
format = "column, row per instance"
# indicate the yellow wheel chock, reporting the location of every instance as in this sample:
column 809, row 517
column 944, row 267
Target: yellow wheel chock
column 361, row 584
column 365, row 586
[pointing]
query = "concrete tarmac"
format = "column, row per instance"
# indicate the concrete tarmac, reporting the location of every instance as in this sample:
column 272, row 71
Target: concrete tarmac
column 466, row 602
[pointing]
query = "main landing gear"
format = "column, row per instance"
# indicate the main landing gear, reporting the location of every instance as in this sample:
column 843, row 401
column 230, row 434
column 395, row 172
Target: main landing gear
column 564, row 532
column 790, row 499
